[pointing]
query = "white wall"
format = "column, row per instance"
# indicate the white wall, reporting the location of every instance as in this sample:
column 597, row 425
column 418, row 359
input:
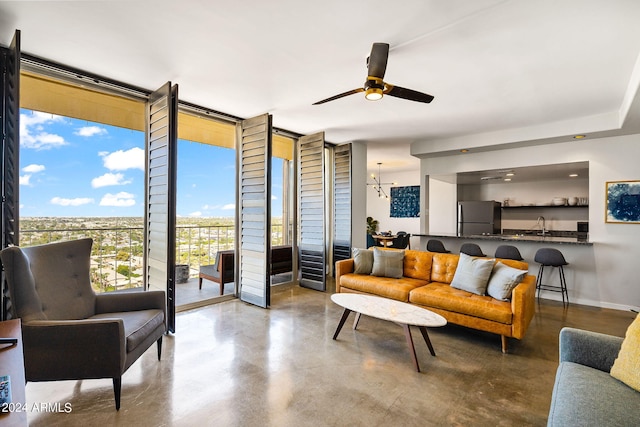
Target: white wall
column 380, row 209
column 603, row 274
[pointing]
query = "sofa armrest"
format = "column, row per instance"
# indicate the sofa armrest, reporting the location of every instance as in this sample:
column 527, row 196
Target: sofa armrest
column 343, row 267
column 113, row 302
column 588, row 348
column 74, row 349
column 523, row 306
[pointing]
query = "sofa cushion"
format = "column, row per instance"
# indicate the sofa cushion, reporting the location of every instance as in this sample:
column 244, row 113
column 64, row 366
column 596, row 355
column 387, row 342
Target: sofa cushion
column 389, row 263
column 443, row 296
column 502, row 281
column 583, row 396
column 362, row 261
column 397, row 289
column 626, row 367
column 443, row 267
column 417, row 264
column 472, row 274
column 137, row 324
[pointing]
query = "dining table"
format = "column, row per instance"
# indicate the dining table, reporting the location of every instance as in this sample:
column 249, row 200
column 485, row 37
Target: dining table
column 384, row 240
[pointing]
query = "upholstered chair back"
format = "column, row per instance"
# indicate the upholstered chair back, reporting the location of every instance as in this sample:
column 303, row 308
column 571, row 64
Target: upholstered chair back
column 50, row 282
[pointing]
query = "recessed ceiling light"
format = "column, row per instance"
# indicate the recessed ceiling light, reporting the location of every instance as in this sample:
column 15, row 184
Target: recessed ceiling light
column 507, row 179
column 464, row 150
column 579, row 136
column 510, row 174
column 573, row 175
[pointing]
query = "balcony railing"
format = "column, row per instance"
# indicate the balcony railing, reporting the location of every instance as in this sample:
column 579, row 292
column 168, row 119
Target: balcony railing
column 117, row 253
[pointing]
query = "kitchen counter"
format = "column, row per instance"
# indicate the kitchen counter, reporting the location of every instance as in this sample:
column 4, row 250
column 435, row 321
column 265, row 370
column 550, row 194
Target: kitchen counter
column 514, row 238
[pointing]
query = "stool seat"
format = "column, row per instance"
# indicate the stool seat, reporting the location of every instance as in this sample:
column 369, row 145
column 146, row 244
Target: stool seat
column 434, row 245
column 551, row 257
column 471, row 249
column 508, row 252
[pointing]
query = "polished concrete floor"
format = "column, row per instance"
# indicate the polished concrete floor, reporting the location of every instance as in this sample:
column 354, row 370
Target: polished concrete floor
column 232, row 364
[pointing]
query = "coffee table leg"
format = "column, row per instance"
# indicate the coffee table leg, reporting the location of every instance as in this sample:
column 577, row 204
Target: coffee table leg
column 356, row 320
column 426, row 339
column 412, row 349
column 342, row 320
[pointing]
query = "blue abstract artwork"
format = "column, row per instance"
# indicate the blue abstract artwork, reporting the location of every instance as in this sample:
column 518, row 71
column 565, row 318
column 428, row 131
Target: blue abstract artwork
column 405, row 202
column 623, row 202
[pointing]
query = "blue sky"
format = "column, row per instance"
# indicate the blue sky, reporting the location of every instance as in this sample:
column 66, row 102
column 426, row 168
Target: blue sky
column 71, row 167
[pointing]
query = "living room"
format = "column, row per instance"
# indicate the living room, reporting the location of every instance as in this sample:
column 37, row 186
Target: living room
column 513, row 85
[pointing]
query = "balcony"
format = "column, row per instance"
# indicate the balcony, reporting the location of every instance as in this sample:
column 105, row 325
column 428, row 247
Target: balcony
column 117, row 253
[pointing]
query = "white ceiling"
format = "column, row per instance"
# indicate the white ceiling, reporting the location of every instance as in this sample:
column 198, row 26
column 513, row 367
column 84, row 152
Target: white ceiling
column 494, row 66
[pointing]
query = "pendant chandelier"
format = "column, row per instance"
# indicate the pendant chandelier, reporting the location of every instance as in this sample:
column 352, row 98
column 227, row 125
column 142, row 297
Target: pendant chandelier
column 377, row 184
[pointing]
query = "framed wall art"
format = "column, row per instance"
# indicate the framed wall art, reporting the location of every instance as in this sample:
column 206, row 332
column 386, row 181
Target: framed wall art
column 622, row 202
column 405, row 202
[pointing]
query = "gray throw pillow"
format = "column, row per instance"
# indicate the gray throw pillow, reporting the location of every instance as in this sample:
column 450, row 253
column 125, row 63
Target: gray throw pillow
column 362, row 261
column 472, row 274
column 388, row 263
column 502, row 281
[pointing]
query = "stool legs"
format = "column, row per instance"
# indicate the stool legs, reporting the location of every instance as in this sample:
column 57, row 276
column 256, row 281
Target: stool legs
column 562, row 288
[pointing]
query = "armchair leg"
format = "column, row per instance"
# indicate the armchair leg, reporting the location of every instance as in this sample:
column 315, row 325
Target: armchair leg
column 117, row 387
column 159, row 342
column 505, row 344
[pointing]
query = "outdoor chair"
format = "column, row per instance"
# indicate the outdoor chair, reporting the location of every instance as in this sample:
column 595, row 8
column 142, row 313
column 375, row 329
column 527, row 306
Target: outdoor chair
column 69, row 332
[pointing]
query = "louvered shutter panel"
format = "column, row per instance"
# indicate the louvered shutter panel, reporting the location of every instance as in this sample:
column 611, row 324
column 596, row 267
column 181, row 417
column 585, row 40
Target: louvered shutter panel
column 254, row 225
column 312, row 211
column 160, row 195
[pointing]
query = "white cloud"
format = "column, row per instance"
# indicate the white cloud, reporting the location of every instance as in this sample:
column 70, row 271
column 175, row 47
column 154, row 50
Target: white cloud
column 229, row 206
column 196, row 213
column 122, row 160
column 78, row 201
column 121, row 199
column 30, row 170
column 33, row 168
column 33, row 134
column 109, row 179
column 90, row 131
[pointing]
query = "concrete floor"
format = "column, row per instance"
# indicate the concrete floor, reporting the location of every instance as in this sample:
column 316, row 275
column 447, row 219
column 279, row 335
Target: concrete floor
column 232, row 364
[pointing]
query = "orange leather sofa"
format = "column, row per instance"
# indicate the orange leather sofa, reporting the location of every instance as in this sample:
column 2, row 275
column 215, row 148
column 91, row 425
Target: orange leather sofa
column 425, row 282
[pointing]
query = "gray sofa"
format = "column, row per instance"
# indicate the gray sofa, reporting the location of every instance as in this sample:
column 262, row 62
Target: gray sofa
column 584, row 393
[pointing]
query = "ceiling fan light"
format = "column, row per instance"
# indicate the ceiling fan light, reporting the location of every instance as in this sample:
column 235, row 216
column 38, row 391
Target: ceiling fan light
column 373, row 94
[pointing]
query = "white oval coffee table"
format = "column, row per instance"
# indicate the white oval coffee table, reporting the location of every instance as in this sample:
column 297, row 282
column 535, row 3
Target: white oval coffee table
column 394, row 311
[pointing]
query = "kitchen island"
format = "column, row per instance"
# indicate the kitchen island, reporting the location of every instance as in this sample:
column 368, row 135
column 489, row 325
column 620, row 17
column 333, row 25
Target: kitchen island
column 508, row 238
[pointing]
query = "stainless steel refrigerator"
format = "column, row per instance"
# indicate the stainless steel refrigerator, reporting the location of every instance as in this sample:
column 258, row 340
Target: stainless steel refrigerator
column 479, row 218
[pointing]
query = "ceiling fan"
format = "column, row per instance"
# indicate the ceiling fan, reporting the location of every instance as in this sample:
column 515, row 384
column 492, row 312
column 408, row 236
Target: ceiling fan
column 375, row 88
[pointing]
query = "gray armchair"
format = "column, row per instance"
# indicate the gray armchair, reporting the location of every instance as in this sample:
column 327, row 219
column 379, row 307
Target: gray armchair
column 70, row 332
column 584, row 393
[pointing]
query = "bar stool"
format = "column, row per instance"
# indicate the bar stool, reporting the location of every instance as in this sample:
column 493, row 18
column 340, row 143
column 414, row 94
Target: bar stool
column 508, row 252
column 471, row 249
column 549, row 257
column 434, row 245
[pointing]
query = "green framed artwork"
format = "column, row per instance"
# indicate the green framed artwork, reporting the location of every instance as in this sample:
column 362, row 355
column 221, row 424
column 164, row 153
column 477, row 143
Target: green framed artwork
column 622, row 202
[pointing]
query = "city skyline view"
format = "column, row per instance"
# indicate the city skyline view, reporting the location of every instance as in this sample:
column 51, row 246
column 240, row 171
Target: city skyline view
column 76, row 168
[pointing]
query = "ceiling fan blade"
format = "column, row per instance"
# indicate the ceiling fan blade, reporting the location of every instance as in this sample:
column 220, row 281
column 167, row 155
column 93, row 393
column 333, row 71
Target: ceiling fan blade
column 411, row 95
column 342, row 95
column 378, row 60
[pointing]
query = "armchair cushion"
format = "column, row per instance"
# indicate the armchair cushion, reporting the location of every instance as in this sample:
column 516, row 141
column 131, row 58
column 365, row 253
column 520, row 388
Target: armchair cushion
column 138, row 325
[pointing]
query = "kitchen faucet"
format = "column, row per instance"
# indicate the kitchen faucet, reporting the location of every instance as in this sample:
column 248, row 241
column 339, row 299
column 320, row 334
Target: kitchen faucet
column 541, row 218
